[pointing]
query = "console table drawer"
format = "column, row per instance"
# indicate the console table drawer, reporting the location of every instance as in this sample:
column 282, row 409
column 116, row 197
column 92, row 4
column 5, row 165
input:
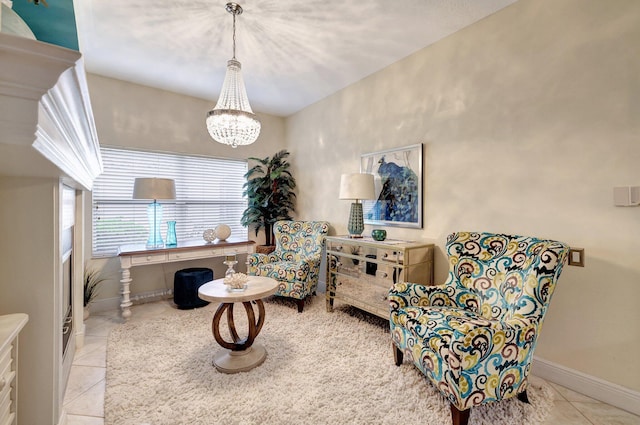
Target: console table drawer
column 194, row 255
column 137, row 260
column 236, row 250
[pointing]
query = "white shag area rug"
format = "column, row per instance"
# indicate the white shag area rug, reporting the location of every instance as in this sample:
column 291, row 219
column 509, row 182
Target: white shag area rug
column 321, row 368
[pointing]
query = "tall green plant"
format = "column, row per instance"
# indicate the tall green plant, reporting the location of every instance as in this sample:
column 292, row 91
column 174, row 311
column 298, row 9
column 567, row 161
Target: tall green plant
column 269, row 191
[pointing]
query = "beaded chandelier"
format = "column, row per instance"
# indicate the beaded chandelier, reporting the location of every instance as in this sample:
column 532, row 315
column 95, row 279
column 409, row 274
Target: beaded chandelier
column 232, row 122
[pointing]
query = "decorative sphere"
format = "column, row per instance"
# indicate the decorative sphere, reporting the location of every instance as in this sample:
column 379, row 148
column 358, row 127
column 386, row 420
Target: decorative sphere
column 209, row 235
column 223, row 231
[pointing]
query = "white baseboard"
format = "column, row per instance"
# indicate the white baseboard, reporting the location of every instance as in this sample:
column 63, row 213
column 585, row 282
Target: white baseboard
column 601, row 390
column 105, row 304
column 110, row 304
column 63, row 417
column 80, row 337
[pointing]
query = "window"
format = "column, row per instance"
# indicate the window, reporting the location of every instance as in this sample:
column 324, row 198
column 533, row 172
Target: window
column 208, row 193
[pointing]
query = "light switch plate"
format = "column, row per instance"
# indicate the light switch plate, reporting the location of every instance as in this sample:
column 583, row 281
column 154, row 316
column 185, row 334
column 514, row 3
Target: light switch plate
column 626, row 196
column 576, row 257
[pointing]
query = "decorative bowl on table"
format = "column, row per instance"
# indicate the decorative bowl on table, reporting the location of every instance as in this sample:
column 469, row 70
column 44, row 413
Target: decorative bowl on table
column 379, row 234
column 236, row 282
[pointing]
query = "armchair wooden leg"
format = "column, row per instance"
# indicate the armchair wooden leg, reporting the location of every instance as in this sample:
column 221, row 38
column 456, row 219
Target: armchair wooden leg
column 459, row 417
column 300, row 305
column 397, row 354
column 523, row 397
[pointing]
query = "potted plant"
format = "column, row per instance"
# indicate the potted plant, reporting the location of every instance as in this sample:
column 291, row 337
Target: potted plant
column 269, row 190
column 93, row 278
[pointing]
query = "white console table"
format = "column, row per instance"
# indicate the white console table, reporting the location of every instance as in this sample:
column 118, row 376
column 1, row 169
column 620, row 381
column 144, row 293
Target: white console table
column 139, row 255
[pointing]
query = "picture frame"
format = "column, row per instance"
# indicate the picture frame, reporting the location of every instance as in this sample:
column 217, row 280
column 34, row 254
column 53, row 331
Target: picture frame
column 398, row 176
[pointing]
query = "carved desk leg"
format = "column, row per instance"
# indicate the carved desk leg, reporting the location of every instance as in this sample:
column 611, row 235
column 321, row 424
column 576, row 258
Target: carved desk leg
column 125, row 305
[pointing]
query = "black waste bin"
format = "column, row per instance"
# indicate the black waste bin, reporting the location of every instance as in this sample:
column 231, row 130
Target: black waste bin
column 185, row 287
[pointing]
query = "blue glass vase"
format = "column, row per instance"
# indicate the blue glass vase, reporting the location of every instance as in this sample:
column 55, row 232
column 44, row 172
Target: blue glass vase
column 172, row 239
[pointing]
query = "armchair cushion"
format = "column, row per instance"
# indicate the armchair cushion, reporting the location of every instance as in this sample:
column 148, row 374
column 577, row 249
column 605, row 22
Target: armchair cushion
column 286, row 270
column 257, row 260
column 406, row 294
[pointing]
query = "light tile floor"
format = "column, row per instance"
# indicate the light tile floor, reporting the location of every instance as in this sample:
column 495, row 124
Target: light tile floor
column 84, row 398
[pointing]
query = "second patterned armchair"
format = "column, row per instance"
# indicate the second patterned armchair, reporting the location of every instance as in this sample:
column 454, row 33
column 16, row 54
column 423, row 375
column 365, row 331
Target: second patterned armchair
column 295, row 263
column 474, row 336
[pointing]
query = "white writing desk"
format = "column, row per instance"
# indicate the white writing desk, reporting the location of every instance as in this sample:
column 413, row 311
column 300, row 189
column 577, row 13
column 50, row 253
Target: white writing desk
column 140, row 255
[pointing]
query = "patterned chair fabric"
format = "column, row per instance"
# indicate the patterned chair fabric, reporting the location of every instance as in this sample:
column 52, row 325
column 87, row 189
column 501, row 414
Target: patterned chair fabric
column 474, row 336
column 295, row 263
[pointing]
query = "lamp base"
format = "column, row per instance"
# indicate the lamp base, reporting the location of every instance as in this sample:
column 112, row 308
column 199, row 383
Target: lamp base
column 154, row 215
column 356, row 221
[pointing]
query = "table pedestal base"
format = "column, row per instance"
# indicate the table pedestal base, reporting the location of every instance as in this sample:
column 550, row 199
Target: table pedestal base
column 227, row 361
column 239, row 354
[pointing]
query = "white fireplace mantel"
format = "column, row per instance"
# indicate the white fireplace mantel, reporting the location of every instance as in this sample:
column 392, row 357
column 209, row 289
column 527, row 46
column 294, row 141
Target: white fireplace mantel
column 46, row 121
column 47, row 140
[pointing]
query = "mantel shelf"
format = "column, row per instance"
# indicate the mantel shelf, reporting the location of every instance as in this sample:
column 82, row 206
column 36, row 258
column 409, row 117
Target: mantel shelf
column 46, row 121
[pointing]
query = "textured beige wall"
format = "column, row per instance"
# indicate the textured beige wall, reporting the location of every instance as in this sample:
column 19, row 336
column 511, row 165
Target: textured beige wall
column 135, row 116
column 529, row 119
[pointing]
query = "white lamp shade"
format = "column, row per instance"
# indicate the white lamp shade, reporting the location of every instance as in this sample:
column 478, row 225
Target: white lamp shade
column 357, row 186
column 154, row 188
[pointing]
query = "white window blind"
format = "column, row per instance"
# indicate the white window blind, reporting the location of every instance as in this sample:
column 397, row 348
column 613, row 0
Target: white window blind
column 208, row 193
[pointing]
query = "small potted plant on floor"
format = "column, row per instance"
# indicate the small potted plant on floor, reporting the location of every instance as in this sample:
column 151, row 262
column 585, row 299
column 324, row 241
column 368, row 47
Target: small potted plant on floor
column 93, row 278
column 269, row 191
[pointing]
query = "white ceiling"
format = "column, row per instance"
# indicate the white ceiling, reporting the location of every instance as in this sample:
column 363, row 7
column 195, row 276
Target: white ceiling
column 293, row 52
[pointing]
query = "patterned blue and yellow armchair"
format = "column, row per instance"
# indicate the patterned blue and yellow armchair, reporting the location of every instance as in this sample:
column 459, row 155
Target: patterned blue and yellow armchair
column 474, row 336
column 295, row 263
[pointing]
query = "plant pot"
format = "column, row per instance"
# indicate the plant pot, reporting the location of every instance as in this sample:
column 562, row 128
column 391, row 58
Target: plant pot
column 265, row 249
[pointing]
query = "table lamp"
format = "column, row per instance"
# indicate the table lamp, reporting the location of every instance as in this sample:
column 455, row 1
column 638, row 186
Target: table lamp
column 154, row 188
column 356, row 186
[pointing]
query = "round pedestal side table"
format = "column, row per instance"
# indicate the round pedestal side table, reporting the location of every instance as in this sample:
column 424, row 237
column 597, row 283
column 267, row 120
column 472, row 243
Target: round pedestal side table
column 240, row 354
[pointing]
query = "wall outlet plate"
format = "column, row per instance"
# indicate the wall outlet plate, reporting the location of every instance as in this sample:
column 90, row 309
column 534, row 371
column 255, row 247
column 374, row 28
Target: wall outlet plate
column 626, row 196
column 576, row 257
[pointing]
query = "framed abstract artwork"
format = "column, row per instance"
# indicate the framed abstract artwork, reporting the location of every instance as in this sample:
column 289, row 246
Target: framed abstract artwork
column 398, row 187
